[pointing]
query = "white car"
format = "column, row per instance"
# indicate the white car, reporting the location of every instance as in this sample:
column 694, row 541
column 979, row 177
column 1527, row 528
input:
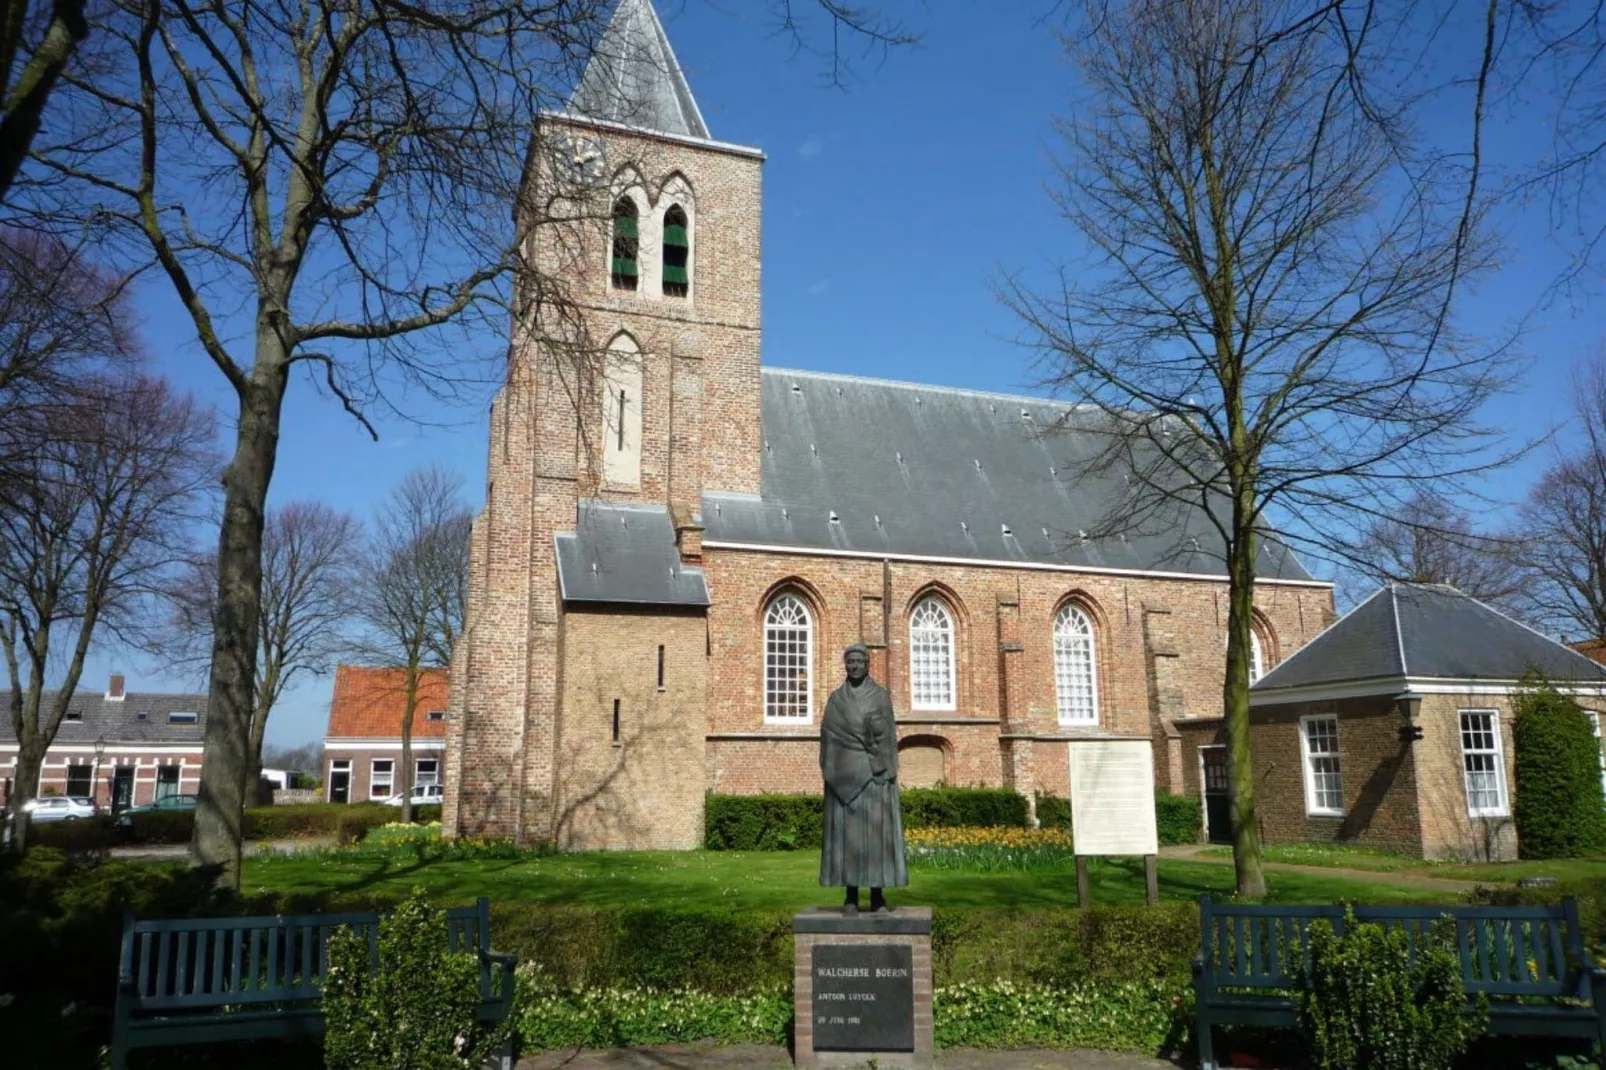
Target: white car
column 423, row 795
column 61, row 808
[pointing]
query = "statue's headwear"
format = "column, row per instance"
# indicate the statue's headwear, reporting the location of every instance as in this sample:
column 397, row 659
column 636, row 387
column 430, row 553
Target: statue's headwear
column 856, row 648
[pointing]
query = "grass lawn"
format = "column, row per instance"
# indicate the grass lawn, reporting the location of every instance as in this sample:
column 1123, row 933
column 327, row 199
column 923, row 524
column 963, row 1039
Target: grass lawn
column 1563, row 869
column 1334, row 855
column 761, row 880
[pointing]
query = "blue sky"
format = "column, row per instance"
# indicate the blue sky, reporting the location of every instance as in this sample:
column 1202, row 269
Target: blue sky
column 891, row 208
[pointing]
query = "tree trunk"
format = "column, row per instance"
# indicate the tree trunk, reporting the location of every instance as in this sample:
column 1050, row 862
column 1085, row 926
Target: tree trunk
column 407, row 746
column 1235, row 704
column 24, row 788
column 227, row 759
column 253, row 776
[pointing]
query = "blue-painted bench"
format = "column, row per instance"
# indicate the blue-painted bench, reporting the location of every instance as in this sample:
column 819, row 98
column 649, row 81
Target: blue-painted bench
column 200, row 980
column 1246, row 971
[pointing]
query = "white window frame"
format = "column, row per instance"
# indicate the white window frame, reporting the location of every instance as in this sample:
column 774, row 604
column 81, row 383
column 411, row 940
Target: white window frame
column 946, row 634
column 1600, row 750
column 337, row 765
column 1257, row 657
column 373, row 778
column 1308, row 769
column 1502, row 808
column 807, row 629
column 418, row 771
column 1064, row 651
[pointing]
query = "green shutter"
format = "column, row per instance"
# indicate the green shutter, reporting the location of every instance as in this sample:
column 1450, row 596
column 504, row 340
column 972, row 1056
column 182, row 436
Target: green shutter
column 675, row 234
column 675, row 274
column 624, row 226
column 625, row 266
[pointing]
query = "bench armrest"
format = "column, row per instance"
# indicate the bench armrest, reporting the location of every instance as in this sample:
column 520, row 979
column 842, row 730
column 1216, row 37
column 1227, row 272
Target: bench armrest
column 505, row 967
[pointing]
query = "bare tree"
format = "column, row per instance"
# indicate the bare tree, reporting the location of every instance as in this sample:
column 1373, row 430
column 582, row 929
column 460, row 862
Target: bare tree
column 1563, row 523
column 354, row 173
column 1431, row 540
column 410, row 598
column 309, row 556
column 1262, row 335
column 109, row 497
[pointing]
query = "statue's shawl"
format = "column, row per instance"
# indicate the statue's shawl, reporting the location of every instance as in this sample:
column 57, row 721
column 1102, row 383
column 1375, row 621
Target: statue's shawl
column 857, row 739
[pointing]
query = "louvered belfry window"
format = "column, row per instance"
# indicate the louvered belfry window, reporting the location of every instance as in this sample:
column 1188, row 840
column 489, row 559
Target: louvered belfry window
column 677, row 252
column 931, row 655
column 626, row 242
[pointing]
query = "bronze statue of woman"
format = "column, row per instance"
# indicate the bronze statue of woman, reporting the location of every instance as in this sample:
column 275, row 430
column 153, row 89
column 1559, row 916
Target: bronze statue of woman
column 859, row 760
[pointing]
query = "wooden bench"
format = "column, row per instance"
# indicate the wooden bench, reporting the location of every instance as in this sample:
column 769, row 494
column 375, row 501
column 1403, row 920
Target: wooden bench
column 1246, row 971
column 199, row 980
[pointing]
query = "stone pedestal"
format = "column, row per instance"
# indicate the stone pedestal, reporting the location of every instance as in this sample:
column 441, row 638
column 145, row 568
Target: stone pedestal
column 862, row 988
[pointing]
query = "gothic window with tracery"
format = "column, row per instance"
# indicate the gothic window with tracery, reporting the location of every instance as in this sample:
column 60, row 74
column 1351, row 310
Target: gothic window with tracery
column 788, row 660
column 931, row 655
column 1075, row 678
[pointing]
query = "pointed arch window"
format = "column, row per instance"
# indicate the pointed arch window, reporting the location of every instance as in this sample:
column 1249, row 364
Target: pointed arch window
column 931, row 655
column 677, row 252
column 1075, row 680
column 626, row 244
column 788, row 661
column 1257, row 656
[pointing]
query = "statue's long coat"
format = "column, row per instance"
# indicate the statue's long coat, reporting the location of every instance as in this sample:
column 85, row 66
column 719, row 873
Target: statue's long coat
column 859, row 759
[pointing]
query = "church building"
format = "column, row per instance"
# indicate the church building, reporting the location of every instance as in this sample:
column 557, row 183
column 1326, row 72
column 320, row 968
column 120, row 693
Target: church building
column 678, row 541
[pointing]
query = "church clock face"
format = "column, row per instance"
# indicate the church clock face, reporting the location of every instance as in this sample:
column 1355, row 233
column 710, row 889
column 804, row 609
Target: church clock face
column 581, row 159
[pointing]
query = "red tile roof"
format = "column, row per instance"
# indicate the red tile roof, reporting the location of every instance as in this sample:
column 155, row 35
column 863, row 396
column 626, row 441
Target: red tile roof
column 1591, row 648
column 369, row 703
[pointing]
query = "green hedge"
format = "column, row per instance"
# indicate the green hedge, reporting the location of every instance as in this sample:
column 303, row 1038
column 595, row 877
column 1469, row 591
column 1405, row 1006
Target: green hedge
column 793, row 822
column 1558, row 807
column 261, row 823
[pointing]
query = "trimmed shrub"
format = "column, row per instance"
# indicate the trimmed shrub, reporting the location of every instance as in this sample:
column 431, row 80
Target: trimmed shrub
column 1179, row 818
column 795, row 822
column 1368, row 1001
column 261, row 823
column 1558, row 806
column 1053, row 812
column 413, row 1007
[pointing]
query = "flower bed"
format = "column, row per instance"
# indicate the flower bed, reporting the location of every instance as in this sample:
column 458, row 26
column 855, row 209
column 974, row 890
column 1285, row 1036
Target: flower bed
column 988, row 850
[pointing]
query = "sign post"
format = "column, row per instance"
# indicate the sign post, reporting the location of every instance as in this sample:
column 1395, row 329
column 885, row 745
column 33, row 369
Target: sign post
column 1112, row 807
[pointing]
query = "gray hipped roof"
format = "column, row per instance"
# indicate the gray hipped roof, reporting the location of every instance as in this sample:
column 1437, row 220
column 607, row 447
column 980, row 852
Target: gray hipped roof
column 633, row 77
column 626, row 552
column 1427, row 630
column 119, row 721
column 871, row 466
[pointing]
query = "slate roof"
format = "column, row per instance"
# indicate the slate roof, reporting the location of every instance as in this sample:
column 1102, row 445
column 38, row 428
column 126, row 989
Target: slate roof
column 120, row 721
column 368, row 703
column 938, row 472
column 625, row 552
column 633, row 77
column 1427, row 630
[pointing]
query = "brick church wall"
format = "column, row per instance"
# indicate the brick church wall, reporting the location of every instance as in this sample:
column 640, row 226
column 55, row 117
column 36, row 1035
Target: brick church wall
column 641, row 788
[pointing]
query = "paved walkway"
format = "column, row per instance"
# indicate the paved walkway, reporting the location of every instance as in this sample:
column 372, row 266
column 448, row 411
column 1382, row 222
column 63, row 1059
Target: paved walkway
column 1197, row 852
column 756, row 1057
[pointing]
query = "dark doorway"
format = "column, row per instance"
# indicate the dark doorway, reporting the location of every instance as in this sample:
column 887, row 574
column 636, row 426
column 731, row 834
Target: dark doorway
column 1218, row 807
column 340, row 781
column 123, row 787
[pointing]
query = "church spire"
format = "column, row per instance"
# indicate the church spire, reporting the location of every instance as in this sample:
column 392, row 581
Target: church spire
column 633, row 77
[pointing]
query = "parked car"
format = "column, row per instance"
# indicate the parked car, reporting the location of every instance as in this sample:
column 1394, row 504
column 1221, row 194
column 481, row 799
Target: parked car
column 423, row 795
column 166, row 802
column 61, row 808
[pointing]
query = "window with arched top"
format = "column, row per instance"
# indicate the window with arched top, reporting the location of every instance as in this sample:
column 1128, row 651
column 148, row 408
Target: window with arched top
column 1076, row 690
column 677, row 252
column 626, row 244
column 788, row 660
column 1257, row 657
column 931, row 655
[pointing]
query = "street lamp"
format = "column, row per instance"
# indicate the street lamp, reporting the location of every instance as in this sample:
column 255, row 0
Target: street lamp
column 1409, row 703
column 94, row 778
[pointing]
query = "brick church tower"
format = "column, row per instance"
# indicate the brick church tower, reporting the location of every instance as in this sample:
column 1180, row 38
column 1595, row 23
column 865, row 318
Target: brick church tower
column 579, row 689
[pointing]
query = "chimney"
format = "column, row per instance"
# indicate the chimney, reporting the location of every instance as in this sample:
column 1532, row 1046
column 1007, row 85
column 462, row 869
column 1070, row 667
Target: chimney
column 114, row 689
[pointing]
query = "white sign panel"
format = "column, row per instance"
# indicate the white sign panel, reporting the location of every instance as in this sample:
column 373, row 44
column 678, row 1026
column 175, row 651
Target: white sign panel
column 1112, row 797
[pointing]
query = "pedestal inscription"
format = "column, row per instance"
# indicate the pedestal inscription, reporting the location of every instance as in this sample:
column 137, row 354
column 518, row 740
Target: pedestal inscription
column 864, row 997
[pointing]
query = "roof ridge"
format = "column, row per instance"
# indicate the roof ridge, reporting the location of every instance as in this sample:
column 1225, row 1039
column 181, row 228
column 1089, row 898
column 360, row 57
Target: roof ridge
column 905, row 384
column 1399, row 632
column 634, row 40
column 1313, row 640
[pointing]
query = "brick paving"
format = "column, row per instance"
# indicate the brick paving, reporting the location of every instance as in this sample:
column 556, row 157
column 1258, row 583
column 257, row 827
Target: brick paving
column 758, row 1057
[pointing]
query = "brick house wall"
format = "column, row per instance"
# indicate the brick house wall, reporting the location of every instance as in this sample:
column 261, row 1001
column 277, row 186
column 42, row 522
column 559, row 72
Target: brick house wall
column 1448, row 831
column 361, row 756
column 144, row 763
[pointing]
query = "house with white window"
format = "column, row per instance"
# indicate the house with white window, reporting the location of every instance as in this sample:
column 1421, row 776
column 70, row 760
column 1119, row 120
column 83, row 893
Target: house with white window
column 362, row 744
column 1393, row 728
column 115, row 745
